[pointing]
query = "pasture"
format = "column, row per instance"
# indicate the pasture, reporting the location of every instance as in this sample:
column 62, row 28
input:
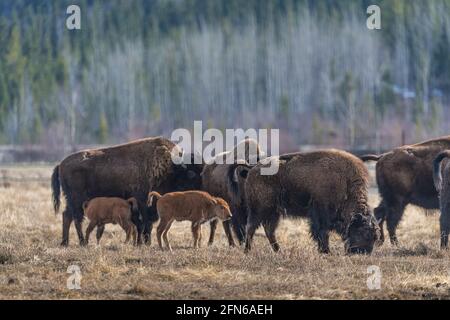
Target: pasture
column 34, row 266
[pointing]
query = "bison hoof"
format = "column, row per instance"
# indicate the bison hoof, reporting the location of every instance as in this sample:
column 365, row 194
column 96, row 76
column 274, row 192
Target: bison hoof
column 64, row 243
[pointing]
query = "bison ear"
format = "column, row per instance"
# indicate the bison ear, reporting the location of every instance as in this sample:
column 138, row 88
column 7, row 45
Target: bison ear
column 240, row 171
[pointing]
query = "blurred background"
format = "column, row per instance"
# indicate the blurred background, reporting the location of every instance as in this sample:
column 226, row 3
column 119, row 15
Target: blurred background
column 145, row 67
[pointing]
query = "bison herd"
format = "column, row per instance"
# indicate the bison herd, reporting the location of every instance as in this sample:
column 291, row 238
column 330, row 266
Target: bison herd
column 136, row 184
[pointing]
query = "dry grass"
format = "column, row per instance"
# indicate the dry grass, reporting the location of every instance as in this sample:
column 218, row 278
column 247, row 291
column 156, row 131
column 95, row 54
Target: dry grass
column 32, row 265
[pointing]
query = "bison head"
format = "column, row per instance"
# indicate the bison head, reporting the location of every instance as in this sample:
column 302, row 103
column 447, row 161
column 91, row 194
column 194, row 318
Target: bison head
column 187, row 175
column 362, row 233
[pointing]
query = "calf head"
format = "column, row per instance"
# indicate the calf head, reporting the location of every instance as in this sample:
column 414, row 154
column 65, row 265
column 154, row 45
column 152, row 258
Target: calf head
column 222, row 209
column 362, row 233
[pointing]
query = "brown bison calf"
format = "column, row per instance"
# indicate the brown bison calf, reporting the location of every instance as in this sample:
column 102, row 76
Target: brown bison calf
column 441, row 175
column 102, row 210
column 195, row 206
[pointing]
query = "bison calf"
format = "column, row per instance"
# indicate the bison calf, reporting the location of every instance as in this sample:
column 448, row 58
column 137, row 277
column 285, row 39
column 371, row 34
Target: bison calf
column 441, row 175
column 102, row 210
column 195, row 206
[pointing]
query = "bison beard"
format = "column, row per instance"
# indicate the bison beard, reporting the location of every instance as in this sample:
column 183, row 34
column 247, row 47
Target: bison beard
column 124, row 171
column 405, row 176
column 328, row 187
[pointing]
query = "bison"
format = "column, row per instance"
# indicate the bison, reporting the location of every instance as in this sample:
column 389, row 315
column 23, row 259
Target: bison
column 195, row 206
column 405, row 176
column 328, row 187
column 128, row 170
column 441, row 177
column 104, row 210
column 215, row 180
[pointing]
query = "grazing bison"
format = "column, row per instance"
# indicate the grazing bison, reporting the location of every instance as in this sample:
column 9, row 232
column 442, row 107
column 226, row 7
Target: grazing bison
column 441, row 177
column 215, row 180
column 328, row 187
column 195, row 206
column 405, row 176
column 103, row 210
column 128, row 170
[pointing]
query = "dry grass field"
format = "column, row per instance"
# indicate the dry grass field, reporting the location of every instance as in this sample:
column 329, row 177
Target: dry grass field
column 34, row 266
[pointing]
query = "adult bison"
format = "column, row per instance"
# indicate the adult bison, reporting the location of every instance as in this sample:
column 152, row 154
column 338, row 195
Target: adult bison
column 329, row 187
column 128, row 170
column 216, row 181
column 441, row 177
column 405, row 176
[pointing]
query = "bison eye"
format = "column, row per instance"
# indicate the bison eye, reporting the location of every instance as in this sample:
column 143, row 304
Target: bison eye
column 191, row 174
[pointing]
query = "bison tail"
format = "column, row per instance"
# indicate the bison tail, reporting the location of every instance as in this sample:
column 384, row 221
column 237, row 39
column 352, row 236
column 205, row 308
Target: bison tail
column 437, row 175
column 152, row 195
column 56, row 189
column 371, row 157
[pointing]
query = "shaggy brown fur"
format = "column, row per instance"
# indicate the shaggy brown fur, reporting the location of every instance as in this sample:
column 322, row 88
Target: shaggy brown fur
column 329, row 187
column 216, row 181
column 195, row 206
column 101, row 211
column 441, row 177
column 405, row 176
column 128, row 170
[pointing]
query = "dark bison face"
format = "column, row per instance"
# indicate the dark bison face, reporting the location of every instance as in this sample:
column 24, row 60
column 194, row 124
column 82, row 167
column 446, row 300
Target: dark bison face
column 362, row 233
column 187, row 177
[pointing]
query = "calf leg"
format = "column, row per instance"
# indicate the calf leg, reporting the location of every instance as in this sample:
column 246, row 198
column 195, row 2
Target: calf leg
column 159, row 231
column 212, row 232
column 269, row 227
column 166, row 239
column 134, row 234
column 67, row 221
column 196, row 233
column 100, row 230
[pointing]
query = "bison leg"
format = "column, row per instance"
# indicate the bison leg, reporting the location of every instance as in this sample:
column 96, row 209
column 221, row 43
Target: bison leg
column 239, row 221
column 148, row 227
column 138, row 224
column 250, row 232
column 269, row 227
column 89, row 229
column 320, row 229
column 445, row 228
column 100, row 230
column 79, row 228
column 227, row 228
column 67, row 221
column 212, row 231
column 394, row 215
